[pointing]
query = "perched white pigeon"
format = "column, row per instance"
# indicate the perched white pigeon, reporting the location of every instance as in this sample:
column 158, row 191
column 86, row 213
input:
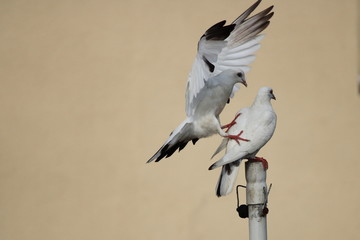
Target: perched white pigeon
column 257, row 124
column 224, row 53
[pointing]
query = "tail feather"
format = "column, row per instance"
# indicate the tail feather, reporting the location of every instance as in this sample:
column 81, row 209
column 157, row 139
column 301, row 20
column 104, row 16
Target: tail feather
column 221, row 147
column 227, row 178
column 230, row 157
column 177, row 140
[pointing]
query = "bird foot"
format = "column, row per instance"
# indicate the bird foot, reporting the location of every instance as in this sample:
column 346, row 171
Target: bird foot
column 262, row 160
column 237, row 137
column 232, row 123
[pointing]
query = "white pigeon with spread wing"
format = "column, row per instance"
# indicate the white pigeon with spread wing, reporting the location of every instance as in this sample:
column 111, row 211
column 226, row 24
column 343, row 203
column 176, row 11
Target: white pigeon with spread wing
column 257, row 124
column 224, row 53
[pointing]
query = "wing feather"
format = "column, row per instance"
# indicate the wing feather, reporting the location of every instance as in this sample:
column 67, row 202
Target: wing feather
column 225, row 47
column 239, row 61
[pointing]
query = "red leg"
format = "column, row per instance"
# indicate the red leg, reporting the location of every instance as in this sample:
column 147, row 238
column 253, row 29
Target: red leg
column 262, row 160
column 237, row 138
column 233, row 122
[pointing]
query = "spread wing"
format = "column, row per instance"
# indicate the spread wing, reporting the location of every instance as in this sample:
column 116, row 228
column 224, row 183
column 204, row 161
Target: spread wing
column 226, row 47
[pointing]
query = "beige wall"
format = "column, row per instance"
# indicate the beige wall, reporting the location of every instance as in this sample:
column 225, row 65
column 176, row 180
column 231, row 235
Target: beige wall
column 91, row 89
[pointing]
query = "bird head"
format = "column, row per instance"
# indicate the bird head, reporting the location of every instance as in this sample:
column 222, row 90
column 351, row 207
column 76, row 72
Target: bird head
column 268, row 92
column 242, row 80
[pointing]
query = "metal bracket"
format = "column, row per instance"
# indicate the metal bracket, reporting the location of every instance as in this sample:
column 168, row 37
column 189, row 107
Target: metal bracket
column 243, row 208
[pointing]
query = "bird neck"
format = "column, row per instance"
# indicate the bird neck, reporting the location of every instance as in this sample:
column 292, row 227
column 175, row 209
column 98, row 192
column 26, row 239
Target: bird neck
column 261, row 101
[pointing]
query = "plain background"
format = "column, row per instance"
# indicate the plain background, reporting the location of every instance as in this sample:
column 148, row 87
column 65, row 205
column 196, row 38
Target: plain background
column 91, row 89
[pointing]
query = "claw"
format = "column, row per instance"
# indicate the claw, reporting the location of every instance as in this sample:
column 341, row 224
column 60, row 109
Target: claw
column 260, row 159
column 237, row 137
column 232, row 123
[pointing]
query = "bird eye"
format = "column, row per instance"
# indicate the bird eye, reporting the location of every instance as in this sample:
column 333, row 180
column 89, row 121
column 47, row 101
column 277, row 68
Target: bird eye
column 271, row 91
column 240, row 74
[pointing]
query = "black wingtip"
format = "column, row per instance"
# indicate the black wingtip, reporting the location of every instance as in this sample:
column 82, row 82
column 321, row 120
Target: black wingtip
column 211, row 167
column 209, row 64
column 194, row 140
column 220, row 33
column 215, row 26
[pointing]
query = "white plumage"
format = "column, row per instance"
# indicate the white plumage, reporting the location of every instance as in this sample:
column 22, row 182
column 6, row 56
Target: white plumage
column 224, row 53
column 226, row 47
column 204, row 120
column 258, row 124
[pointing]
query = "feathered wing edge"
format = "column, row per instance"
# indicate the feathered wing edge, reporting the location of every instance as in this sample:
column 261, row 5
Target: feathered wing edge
column 178, row 139
column 246, row 13
column 211, row 48
column 243, row 42
column 247, row 28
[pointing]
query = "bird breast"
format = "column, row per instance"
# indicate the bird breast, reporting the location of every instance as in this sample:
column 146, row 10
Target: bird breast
column 213, row 102
column 206, row 126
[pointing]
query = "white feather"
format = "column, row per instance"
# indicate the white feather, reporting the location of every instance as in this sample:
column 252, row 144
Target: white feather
column 258, row 124
column 235, row 52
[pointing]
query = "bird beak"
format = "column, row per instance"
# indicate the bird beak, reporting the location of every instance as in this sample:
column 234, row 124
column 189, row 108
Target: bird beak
column 242, row 77
column 244, row 82
column 273, row 96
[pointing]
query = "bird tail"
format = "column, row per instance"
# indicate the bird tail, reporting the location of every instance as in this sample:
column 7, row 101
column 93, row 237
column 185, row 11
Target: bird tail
column 221, row 147
column 227, row 178
column 230, row 157
column 177, row 140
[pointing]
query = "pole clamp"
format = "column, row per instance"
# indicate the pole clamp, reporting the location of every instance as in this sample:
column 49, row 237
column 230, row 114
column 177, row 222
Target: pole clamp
column 243, row 209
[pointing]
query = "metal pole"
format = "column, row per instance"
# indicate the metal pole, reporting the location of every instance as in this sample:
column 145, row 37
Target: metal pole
column 256, row 199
